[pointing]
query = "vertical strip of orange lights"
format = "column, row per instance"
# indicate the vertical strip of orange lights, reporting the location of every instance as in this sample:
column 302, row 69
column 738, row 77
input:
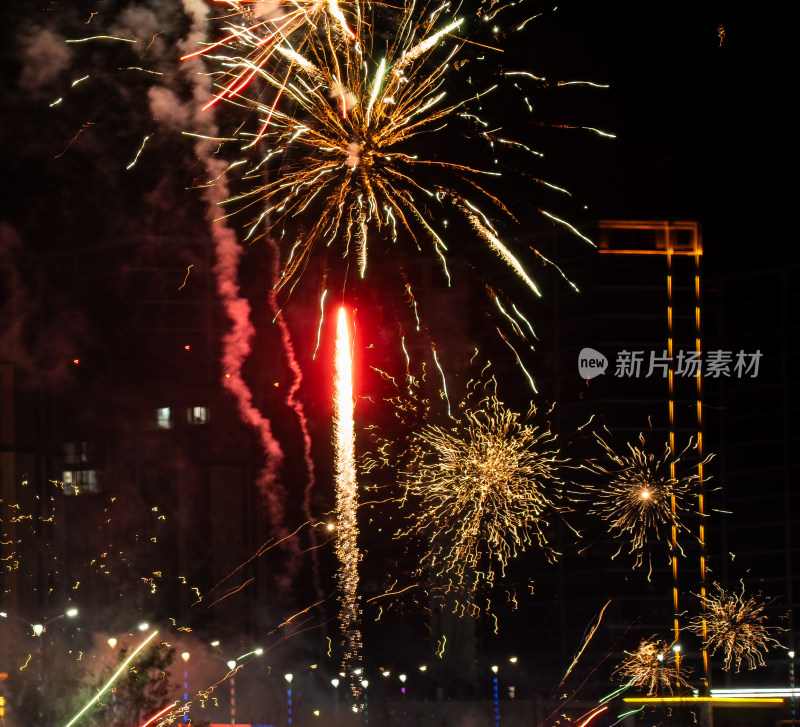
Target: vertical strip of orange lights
column 346, row 498
column 673, row 504
column 701, row 505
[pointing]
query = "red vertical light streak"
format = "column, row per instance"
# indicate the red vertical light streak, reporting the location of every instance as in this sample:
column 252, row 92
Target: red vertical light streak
column 346, row 498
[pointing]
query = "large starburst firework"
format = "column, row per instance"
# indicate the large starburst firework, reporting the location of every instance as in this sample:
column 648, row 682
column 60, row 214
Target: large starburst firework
column 350, row 108
column 481, row 491
column 651, row 667
column 642, row 496
column 735, row 625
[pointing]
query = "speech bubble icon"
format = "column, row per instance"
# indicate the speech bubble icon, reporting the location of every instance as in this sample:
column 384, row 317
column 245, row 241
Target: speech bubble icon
column 591, row 363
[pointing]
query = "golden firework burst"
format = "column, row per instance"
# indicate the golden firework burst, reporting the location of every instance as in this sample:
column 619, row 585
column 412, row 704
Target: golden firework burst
column 734, row 625
column 642, row 496
column 652, row 667
column 482, row 491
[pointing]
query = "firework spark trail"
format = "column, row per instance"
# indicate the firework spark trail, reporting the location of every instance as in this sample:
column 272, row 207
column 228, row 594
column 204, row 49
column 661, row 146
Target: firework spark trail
column 237, row 342
column 158, row 715
column 264, row 27
column 735, row 626
column 111, row 680
column 586, row 640
column 635, row 497
column 346, row 499
column 484, row 487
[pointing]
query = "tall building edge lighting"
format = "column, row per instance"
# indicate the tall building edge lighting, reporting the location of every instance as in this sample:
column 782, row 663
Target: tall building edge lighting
column 677, row 240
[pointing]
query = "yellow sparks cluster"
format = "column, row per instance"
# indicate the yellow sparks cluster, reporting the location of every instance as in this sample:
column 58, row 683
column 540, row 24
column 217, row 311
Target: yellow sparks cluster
column 734, row 625
column 639, row 496
column 652, row 667
column 481, row 491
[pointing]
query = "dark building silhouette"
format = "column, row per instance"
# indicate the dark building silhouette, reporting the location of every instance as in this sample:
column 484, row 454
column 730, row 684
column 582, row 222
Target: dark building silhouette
column 752, row 422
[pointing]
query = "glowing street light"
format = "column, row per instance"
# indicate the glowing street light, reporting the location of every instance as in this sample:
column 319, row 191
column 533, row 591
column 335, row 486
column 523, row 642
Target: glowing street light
column 402, row 678
column 336, row 682
column 185, row 656
column 38, row 630
column 288, row 678
column 496, row 696
column 365, row 684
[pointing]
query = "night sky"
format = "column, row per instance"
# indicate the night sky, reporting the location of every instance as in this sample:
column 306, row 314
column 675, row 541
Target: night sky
column 695, row 101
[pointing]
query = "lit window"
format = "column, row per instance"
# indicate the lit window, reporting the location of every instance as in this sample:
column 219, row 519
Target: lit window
column 164, row 417
column 197, row 415
column 80, row 482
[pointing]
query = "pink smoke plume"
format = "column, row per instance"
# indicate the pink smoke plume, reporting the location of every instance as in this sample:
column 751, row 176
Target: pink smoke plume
column 237, row 342
column 297, row 380
column 293, row 402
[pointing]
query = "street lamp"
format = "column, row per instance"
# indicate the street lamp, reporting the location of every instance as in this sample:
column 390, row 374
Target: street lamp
column 402, row 678
column 335, row 682
column 38, row 630
column 288, row 678
column 185, row 656
column 512, row 689
column 365, row 684
column 232, row 667
column 496, row 697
